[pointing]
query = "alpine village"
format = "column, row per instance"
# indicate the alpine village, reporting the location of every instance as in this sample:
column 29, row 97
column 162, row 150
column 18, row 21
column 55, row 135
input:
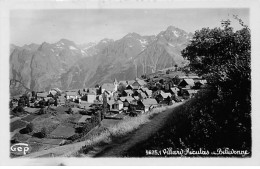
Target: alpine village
column 199, row 104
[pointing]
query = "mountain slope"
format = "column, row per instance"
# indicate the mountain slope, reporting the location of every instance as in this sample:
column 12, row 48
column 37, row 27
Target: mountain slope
column 67, row 65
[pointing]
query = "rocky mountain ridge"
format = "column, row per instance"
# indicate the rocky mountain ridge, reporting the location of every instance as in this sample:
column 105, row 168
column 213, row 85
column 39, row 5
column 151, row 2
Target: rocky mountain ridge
column 67, row 65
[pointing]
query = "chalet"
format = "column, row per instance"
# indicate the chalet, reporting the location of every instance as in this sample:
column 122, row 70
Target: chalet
column 127, row 93
column 92, row 90
column 126, row 101
column 137, row 98
column 200, row 83
column 137, row 92
column 122, row 83
column 110, row 87
column 138, row 84
column 41, row 96
column 189, row 92
column 115, row 105
column 129, row 84
column 71, row 95
column 194, row 77
column 61, row 100
column 186, row 83
column 148, row 104
column 55, row 91
column 142, row 95
column 147, row 92
column 91, row 97
column 174, row 91
column 163, row 97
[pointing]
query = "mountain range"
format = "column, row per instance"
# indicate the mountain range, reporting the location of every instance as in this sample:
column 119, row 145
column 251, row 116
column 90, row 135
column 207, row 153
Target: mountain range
column 66, row 65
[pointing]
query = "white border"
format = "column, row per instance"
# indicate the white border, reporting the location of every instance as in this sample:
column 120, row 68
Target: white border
column 6, row 6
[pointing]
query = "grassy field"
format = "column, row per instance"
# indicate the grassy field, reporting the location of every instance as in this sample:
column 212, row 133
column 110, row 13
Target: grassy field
column 17, row 124
column 119, row 130
column 30, row 117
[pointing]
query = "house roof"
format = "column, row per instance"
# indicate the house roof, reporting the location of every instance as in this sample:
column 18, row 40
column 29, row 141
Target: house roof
column 136, row 97
column 188, row 81
column 149, row 92
column 123, row 82
column 56, row 89
column 84, row 118
column 165, row 95
column 130, row 82
column 122, row 98
column 204, row 81
column 71, row 93
column 108, row 86
column 118, row 102
column 191, row 91
column 42, row 94
column 91, row 93
column 193, row 77
column 149, row 102
column 175, row 89
column 129, row 91
column 139, row 82
column 143, row 94
column 144, row 89
column 110, row 102
column 129, row 99
column 139, row 91
column 92, row 90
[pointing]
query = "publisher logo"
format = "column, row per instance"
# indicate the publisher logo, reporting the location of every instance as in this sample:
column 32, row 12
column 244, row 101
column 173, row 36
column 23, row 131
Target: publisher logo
column 20, row 148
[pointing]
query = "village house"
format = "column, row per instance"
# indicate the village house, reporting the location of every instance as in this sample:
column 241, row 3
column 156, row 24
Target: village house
column 110, row 88
column 138, row 84
column 123, row 83
column 189, row 92
column 174, row 91
column 115, row 105
column 129, row 84
column 200, row 83
column 147, row 92
column 61, row 100
column 163, row 97
column 91, row 97
column 55, row 91
column 127, row 93
column 71, row 95
column 186, row 83
column 148, row 104
column 41, row 96
column 126, row 101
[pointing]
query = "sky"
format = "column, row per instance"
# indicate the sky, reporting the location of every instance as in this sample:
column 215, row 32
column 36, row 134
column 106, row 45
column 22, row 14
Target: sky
column 93, row 25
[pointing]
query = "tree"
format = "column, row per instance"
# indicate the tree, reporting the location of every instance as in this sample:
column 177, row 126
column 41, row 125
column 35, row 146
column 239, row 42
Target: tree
column 41, row 111
column 176, row 67
column 223, row 56
column 43, row 132
column 29, row 127
column 33, row 94
column 70, row 111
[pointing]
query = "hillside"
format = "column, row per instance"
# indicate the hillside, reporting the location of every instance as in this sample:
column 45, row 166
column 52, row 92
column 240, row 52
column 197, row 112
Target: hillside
column 67, row 65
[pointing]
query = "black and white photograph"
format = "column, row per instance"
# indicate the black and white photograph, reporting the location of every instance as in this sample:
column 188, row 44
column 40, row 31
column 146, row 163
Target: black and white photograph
column 118, row 82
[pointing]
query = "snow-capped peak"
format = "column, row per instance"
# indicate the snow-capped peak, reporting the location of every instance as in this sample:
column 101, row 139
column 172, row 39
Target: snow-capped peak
column 72, row 48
